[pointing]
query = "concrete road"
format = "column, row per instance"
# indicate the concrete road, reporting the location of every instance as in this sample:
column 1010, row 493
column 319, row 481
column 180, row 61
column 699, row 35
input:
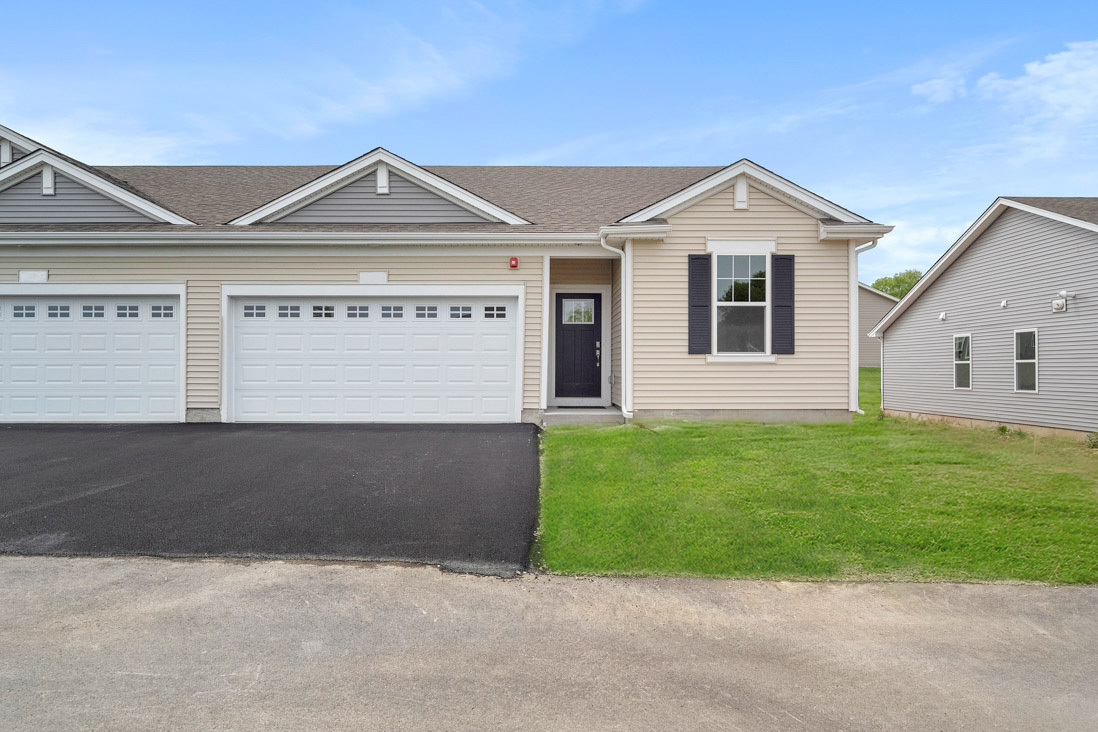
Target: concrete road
column 148, row 644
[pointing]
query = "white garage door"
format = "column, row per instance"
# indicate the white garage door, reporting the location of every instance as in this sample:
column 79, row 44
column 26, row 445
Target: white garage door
column 374, row 359
column 90, row 359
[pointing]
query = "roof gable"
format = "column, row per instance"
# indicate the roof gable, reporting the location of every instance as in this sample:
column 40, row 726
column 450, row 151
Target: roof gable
column 875, row 291
column 25, row 203
column 379, row 163
column 771, row 182
column 993, row 212
column 102, row 196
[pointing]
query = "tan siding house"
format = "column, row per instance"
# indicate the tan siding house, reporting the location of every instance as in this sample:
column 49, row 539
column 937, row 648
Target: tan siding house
column 381, row 290
column 872, row 306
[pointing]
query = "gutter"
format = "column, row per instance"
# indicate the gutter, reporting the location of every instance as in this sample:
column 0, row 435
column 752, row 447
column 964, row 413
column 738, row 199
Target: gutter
column 626, row 328
column 855, row 250
column 188, row 238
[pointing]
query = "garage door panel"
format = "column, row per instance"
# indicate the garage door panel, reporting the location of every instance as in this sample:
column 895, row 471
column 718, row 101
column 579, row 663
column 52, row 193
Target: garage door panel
column 63, row 367
column 359, row 366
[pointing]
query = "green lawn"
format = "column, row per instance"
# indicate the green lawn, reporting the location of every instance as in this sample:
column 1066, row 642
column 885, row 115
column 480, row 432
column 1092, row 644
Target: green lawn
column 892, row 499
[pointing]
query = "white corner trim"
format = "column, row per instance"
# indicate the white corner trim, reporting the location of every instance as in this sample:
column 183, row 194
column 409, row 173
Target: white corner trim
column 34, row 276
column 724, row 177
column 359, row 167
column 373, row 278
column 736, row 245
column 852, row 352
column 5, row 151
column 740, row 358
column 627, row 328
column 27, row 166
column 973, row 232
column 48, row 187
column 382, row 179
column 546, row 310
column 740, row 193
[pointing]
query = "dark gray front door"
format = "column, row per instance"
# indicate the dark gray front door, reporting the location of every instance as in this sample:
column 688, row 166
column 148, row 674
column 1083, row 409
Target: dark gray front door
column 579, row 345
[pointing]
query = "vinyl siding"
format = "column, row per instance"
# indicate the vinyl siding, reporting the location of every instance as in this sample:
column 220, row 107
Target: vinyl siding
column 871, row 308
column 1024, row 259
column 358, row 203
column 667, row 377
column 17, row 152
column 23, row 203
column 204, row 277
column 579, row 271
column 615, row 332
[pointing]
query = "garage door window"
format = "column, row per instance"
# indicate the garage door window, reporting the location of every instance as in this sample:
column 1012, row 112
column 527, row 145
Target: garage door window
column 289, row 311
column 255, row 311
column 126, row 311
column 395, row 312
column 162, row 311
column 358, row 311
column 461, row 312
column 428, row 312
column 495, row 312
column 93, row 311
column 23, row 311
column 57, row 311
column 324, row 311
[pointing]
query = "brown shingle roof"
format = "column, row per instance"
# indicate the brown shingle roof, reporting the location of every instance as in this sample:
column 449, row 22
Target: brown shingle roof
column 554, row 198
column 1084, row 209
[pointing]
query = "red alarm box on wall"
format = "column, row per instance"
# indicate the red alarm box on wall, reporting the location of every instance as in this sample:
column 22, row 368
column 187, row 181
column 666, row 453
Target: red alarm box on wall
column 513, row 264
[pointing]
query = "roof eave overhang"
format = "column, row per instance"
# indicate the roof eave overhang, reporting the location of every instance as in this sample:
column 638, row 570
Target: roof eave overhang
column 622, row 232
column 858, row 233
column 958, row 248
column 290, row 238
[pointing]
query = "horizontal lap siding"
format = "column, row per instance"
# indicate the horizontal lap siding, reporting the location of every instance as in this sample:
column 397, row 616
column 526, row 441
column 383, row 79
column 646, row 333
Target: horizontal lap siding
column 204, row 277
column 579, row 271
column 1024, row 259
column 871, row 308
column 358, row 202
column 23, row 203
column 615, row 332
column 667, row 377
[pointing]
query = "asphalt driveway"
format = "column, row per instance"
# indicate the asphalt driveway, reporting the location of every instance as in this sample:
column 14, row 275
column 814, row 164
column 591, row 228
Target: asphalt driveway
column 459, row 495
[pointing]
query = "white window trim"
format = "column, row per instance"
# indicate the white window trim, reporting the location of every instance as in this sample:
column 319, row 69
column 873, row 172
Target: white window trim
column 955, row 361
column 1036, row 360
column 731, row 246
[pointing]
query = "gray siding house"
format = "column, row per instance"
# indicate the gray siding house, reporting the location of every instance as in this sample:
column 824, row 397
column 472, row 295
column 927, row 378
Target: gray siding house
column 872, row 306
column 1003, row 329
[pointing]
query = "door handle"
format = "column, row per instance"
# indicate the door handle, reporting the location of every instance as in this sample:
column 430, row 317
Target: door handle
column 598, row 354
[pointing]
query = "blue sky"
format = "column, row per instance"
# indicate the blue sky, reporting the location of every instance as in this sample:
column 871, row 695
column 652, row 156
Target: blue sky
column 914, row 114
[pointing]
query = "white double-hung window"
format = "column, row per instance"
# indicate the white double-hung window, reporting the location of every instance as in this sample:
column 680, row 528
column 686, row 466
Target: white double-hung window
column 962, row 361
column 1025, row 360
column 741, row 296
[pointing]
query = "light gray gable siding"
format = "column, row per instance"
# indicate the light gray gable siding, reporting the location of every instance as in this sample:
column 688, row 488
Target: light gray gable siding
column 358, row 203
column 1024, row 259
column 871, row 308
column 72, row 202
column 17, row 152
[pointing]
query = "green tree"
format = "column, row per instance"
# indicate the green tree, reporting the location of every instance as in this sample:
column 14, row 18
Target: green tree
column 898, row 284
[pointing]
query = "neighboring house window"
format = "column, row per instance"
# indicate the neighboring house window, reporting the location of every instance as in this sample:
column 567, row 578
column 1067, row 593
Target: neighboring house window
column 358, row 311
column 426, row 311
column 962, row 362
column 392, row 311
column 163, row 311
column 461, row 312
column 57, row 311
column 289, row 311
column 741, row 306
column 255, row 311
column 495, row 312
column 92, row 311
column 125, row 311
column 1025, row 360
column 324, row 311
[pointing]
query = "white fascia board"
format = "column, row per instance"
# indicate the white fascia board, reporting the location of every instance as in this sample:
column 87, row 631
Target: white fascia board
column 23, row 143
column 862, row 233
column 726, row 177
column 347, row 173
column 245, row 237
column 635, row 231
column 971, row 234
column 875, row 291
column 28, row 165
column 388, row 290
column 97, row 288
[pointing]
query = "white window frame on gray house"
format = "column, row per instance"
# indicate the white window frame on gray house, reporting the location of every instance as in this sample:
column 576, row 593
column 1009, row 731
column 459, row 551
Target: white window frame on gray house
column 731, row 248
column 962, row 362
column 1035, row 361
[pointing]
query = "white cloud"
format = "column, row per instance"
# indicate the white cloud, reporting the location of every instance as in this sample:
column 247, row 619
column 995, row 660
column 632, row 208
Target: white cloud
column 941, row 90
column 913, row 244
column 99, row 137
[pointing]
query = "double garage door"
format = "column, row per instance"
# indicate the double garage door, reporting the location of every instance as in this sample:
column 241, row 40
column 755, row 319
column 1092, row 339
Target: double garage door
column 120, row 359
column 374, row 359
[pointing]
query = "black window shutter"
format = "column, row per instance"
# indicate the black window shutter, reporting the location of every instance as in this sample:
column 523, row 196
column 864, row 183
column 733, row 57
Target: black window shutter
column 781, row 305
column 699, row 303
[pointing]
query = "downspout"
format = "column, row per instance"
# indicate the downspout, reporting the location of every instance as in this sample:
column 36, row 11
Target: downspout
column 625, row 341
column 854, row 335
